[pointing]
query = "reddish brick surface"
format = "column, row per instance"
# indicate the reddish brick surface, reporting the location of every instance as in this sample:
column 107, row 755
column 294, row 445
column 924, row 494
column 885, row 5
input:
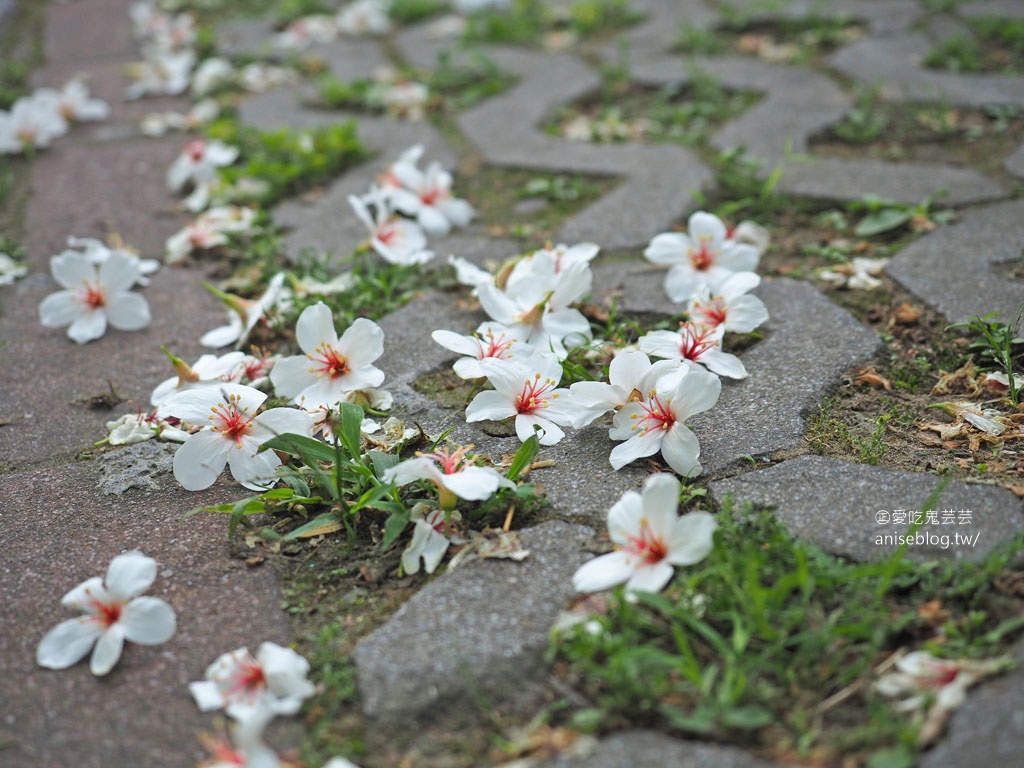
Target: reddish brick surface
column 58, row 530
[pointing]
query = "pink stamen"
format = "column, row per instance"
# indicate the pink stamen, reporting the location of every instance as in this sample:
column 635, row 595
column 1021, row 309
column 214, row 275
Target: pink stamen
column 657, row 415
column 450, row 461
column 533, row 396
column 93, row 297
column 196, row 150
column 107, row 614
column 711, row 314
column 330, row 362
column 647, row 546
column 495, row 346
column 234, row 422
column 695, row 340
column 703, row 258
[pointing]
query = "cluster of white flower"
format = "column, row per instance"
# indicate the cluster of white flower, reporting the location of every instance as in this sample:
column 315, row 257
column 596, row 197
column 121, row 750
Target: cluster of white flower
column 168, row 49
column 358, row 18
column 252, row 690
column 34, row 121
column 209, row 230
column 195, row 170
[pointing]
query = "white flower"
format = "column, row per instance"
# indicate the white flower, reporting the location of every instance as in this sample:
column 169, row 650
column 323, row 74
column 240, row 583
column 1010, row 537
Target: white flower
column 694, row 344
column 751, row 233
column 32, row 123
column 453, row 473
column 537, row 311
column 98, row 252
column 491, row 340
column 656, row 423
column 210, row 75
column 364, row 17
column 276, row 679
column 305, row 31
column 259, row 77
column 859, row 274
column 196, row 236
column 161, row 73
column 245, row 747
column 331, row 366
column 139, row 427
column 242, row 314
column 208, row 370
column 396, row 240
column 113, row 613
column 526, row 390
column 651, row 539
column 231, row 432
column 729, row 305
column 702, row 256
column 431, row 536
column 74, row 102
column 340, row 762
column 406, row 99
column 630, row 375
column 201, row 113
column 198, row 163
column 94, row 296
column 10, row 270
column 427, row 196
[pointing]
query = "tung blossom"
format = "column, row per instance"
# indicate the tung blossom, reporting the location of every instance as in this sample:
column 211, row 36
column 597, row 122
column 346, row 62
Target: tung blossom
column 730, row 305
column 650, row 538
column 656, row 422
column 331, row 366
column 630, row 375
column 490, row 341
column 198, row 163
column 427, row 196
column 526, row 391
column 453, row 473
column 702, row 255
column 275, row 679
column 208, row 370
column 432, row 533
column 396, row 240
column 231, row 432
column 94, row 296
column 113, row 613
column 31, row 124
column 74, row 102
column 696, row 345
column 243, row 314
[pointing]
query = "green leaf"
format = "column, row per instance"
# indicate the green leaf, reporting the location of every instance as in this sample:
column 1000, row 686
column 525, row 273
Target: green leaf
column 324, row 523
column 748, row 718
column 895, row 757
column 394, row 526
column 701, row 721
column 881, row 221
column 351, row 429
column 382, row 461
column 307, row 449
column 523, row 458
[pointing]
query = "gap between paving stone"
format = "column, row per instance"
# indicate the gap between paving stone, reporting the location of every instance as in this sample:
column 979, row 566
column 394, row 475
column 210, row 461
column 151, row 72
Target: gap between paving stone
column 841, row 506
column 959, row 269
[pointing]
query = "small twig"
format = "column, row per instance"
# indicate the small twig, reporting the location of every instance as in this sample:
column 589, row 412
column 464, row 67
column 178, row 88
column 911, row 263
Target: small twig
column 508, row 518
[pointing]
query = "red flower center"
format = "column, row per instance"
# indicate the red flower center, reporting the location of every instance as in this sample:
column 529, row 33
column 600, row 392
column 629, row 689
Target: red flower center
column 450, row 461
column 107, row 614
column 234, row 422
column 703, row 257
column 695, row 340
column 94, row 297
column 648, row 547
column 492, row 346
column 710, row 314
column 657, row 415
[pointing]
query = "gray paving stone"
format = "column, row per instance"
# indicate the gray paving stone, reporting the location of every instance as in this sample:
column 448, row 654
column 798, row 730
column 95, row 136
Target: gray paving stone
column 245, row 37
column 894, row 62
column 987, row 729
column 962, row 270
column 1015, row 163
column 881, row 16
column 137, row 466
column 1006, row 9
column 834, row 504
column 649, row 749
column 469, row 636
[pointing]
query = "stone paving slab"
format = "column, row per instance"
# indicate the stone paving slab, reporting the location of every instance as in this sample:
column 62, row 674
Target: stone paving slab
column 894, row 60
column 649, row 749
column 58, row 530
column 836, row 505
column 468, row 640
column 963, row 269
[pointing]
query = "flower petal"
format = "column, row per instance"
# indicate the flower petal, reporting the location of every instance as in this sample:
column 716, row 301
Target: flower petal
column 314, row 327
column 207, row 695
column 108, row 650
column 88, row 326
column 490, row 405
column 255, row 471
column 128, row 312
column 692, row 538
column 681, row 450
column 67, row 643
column 650, row 578
column 59, row 309
column 604, row 572
column 362, row 343
column 200, row 460
column 148, row 621
column 129, row 575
